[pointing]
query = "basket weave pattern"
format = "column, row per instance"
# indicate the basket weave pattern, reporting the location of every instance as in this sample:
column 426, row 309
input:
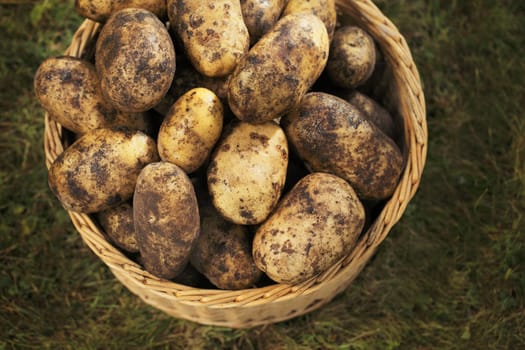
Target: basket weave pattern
column 277, row 302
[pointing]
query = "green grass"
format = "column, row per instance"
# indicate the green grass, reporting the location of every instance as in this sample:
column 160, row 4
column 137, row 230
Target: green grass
column 450, row 275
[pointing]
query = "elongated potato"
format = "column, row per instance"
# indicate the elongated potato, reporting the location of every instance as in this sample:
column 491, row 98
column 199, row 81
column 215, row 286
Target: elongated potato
column 260, row 16
column 166, row 217
column 277, row 71
column 324, row 9
column 190, row 129
column 100, row 169
column 117, row 223
column 100, row 10
column 315, row 225
column 333, row 136
column 213, row 33
column 247, row 171
column 135, row 59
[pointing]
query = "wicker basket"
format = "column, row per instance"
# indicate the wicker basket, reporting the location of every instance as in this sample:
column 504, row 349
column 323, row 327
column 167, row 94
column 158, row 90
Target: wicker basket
column 277, row 302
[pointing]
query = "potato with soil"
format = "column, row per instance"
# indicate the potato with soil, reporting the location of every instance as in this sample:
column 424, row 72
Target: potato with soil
column 166, row 218
column 213, row 34
column 278, row 70
column 101, row 10
column 223, row 252
column 135, row 59
column 324, row 9
column 247, row 171
column 190, row 129
column 316, row 224
column 260, row 16
column 333, row 136
column 117, row 223
column 352, row 57
column 100, row 169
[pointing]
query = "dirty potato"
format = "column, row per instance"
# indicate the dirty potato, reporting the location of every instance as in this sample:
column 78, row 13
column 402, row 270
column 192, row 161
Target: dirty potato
column 117, row 223
column 316, row 224
column 135, row 59
column 166, row 217
column 324, row 9
column 277, row 71
column 223, row 252
column 190, row 129
column 260, row 16
column 333, row 136
column 247, row 171
column 213, row 33
column 352, row 57
column 100, row 10
column 100, row 169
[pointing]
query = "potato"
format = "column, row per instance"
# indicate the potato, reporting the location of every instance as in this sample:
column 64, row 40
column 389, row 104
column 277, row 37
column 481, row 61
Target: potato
column 352, row 57
column 333, row 136
column 324, row 9
column 135, row 59
column 117, row 223
column 260, row 16
column 213, row 33
column 166, row 217
column 247, row 171
column 277, row 71
column 100, row 169
column 190, row 129
column 223, row 252
column 100, row 10
column 316, row 224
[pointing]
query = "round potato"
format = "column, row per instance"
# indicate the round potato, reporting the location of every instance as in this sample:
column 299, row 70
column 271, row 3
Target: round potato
column 352, row 57
column 117, row 223
column 247, row 171
column 213, row 33
column 100, row 169
column 278, row 70
column 100, row 10
column 324, row 9
column 333, row 136
column 166, row 217
column 190, row 129
column 223, row 252
column 315, row 225
column 260, row 16
column 135, row 59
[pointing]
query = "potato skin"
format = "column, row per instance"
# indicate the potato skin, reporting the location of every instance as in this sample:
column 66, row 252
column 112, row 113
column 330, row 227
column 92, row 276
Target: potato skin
column 166, row 218
column 324, row 9
column 135, row 58
column 260, row 16
column 101, row 10
column 333, row 136
column 100, row 169
column 278, row 70
column 315, row 225
column 352, row 57
column 223, row 252
column 247, row 171
column 117, row 223
column 213, row 33
column 190, row 129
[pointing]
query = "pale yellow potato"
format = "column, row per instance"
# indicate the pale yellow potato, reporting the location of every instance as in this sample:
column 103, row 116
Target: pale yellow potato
column 261, row 15
column 352, row 57
column 135, row 59
column 315, row 224
column 100, row 10
column 333, row 136
column 247, row 171
column 190, row 129
column 166, row 217
column 100, row 169
column 117, row 223
column 213, row 33
column 279, row 69
column 324, row 9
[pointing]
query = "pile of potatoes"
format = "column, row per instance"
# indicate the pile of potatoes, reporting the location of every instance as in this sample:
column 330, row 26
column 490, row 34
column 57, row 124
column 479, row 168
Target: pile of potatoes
column 223, row 143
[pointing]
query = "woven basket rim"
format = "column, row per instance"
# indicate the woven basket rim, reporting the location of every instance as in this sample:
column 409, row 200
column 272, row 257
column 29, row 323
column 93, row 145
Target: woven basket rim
column 413, row 112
